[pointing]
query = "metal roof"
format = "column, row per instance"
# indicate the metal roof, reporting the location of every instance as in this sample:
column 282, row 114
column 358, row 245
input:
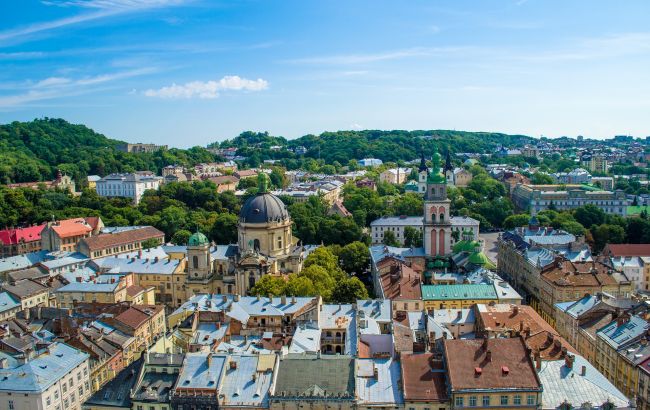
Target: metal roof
column 246, row 385
column 201, row 371
column 458, row 292
column 385, row 388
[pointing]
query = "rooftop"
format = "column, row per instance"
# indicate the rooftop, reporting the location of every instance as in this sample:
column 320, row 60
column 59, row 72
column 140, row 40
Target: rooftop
column 108, row 240
column 459, row 292
column 489, row 364
column 248, row 383
column 38, row 374
column 201, row 371
column 577, row 385
column 315, row 376
column 378, row 381
column 422, row 380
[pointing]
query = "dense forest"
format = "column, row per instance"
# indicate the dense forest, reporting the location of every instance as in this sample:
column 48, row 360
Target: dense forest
column 33, row 151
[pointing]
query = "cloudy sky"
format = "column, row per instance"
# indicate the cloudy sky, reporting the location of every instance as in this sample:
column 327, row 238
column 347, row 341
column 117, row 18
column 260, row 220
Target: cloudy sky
column 189, row 72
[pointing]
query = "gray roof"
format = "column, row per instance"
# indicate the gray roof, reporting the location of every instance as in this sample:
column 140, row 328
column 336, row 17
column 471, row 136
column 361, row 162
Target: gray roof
column 246, row 385
column 263, row 208
column 561, row 383
column 311, row 376
column 201, row 371
column 117, row 392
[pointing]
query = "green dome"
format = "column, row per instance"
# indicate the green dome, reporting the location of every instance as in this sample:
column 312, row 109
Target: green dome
column 436, row 178
column 479, row 258
column 463, row 246
column 438, row 264
column 198, row 239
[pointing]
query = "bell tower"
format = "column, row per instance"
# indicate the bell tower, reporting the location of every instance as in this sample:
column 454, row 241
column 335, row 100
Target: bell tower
column 437, row 223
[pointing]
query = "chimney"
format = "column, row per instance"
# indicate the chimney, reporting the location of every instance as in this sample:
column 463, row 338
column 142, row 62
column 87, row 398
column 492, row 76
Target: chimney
column 209, row 359
column 224, row 298
column 515, row 310
column 568, row 361
column 459, row 315
column 283, row 299
column 236, row 297
column 484, row 346
column 293, row 300
column 538, row 361
column 233, row 365
column 583, row 371
column 375, row 373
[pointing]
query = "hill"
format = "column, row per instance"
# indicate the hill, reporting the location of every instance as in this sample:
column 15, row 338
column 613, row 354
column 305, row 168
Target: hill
column 33, row 151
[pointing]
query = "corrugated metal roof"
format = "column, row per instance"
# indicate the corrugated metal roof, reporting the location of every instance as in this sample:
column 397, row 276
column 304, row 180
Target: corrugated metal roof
column 458, row 292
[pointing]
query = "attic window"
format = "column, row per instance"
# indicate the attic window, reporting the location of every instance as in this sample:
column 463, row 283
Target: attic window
column 478, row 371
column 505, row 370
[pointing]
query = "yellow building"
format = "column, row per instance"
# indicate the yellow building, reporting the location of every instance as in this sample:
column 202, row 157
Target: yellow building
column 491, row 374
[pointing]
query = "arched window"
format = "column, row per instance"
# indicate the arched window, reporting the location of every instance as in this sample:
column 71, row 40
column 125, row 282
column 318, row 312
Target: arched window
column 256, row 245
column 195, row 262
column 251, row 280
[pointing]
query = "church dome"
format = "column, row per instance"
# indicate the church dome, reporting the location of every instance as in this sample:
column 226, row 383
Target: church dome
column 198, row 239
column 263, row 208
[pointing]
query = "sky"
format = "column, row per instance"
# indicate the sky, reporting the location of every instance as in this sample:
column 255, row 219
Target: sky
column 190, row 72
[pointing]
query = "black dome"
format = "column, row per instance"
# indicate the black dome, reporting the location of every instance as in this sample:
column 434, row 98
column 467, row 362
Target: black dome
column 263, row 208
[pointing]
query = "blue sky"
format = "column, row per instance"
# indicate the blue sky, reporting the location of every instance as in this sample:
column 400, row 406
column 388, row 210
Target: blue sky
column 189, row 72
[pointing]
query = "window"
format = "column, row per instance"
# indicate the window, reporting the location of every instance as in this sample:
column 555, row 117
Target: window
column 139, row 407
column 459, row 402
column 517, row 400
column 486, row 401
column 81, row 391
column 504, row 400
column 530, row 400
column 65, row 388
column 11, row 405
column 472, row 401
column 48, row 401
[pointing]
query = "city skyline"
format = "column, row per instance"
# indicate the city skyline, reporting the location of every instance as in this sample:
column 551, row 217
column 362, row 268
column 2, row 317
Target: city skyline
column 190, row 72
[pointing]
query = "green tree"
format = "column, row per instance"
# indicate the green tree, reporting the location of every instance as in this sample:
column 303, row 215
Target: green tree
column 390, row 239
column 589, row 215
column 150, row 243
column 413, row 237
column 355, row 257
column 349, row 291
column 181, row 237
column 269, row 285
column 604, row 234
column 224, row 229
column 542, row 179
column 514, row 221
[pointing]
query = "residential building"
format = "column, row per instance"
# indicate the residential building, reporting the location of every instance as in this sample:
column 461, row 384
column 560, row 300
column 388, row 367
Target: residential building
column 306, row 380
column 224, row 183
column 29, row 292
column 458, row 177
column 370, row 162
column 56, row 378
column 424, row 382
column 62, row 182
column 92, row 181
column 130, row 186
column 377, row 383
column 399, row 283
column 146, row 323
column 64, row 235
column 18, row 241
column 535, row 198
column 140, row 147
column 9, row 306
column 628, row 331
column 574, row 383
column 156, row 380
column 258, row 370
column 197, row 385
column 395, row 176
column 116, row 393
column 491, row 373
column 119, row 242
column 577, row 176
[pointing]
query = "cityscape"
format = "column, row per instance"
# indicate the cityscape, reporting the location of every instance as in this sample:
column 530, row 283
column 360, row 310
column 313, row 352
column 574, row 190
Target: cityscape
column 359, row 267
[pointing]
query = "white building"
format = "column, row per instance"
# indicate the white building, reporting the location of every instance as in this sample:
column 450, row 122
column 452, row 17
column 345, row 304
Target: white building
column 370, row 162
column 395, row 175
column 397, row 224
column 127, row 185
column 57, row 378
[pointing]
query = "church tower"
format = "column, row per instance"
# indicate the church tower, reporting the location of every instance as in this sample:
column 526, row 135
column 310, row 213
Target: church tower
column 449, row 170
column 198, row 257
column 423, row 172
column 437, row 222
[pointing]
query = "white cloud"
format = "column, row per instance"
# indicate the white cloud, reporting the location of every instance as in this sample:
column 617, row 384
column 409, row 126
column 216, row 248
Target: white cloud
column 356, row 127
column 102, row 9
column 208, row 89
column 350, row 59
column 52, row 82
column 59, row 87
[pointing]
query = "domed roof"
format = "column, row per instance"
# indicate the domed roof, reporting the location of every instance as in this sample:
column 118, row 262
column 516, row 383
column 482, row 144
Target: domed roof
column 263, row 208
column 198, row 239
column 479, row 258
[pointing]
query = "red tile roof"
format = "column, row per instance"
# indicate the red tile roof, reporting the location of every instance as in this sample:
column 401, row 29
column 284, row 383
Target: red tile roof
column 15, row 236
column 466, row 358
column 134, row 317
column 422, row 381
column 71, row 227
column 627, row 249
column 401, row 283
column 108, row 240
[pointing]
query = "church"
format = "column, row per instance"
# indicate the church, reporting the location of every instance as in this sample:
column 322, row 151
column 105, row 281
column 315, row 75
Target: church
column 265, row 246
